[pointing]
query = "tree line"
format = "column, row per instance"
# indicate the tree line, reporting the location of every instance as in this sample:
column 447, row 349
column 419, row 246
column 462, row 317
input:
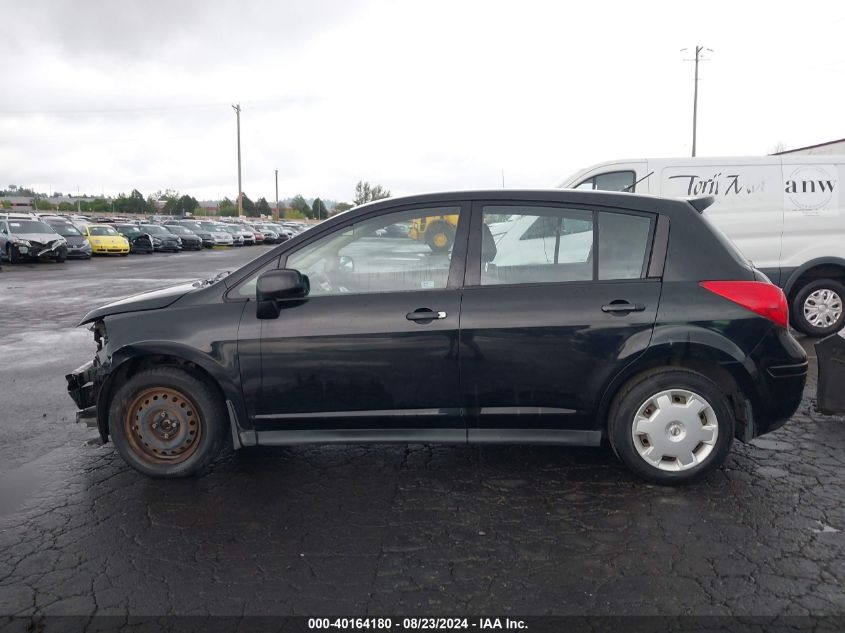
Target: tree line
column 170, row 202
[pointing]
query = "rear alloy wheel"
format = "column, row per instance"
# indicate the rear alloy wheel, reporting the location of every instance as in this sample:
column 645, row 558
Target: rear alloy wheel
column 167, row 423
column 671, row 427
column 817, row 308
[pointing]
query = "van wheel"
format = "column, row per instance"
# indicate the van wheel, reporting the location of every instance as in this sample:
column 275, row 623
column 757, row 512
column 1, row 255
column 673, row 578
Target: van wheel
column 817, row 308
column 671, row 426
column 165, row 422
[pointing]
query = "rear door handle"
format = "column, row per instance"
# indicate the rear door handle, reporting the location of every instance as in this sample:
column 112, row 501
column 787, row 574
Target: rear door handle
column 618, row 307
column 424, row 314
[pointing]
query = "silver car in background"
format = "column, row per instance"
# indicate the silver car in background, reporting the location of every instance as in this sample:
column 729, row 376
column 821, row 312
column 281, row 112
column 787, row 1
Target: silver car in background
column 218, row 232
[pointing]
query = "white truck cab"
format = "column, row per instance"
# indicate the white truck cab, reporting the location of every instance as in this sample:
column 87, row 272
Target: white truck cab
column 783, row 212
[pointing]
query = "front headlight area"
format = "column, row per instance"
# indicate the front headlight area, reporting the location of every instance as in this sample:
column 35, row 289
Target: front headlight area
column 100, row 335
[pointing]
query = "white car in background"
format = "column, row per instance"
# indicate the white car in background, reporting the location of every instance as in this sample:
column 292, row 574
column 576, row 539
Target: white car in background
column 218, row 231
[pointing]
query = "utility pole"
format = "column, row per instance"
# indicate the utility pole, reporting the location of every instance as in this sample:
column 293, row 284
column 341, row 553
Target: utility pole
column 698, row 58
column 237, row 109
column 277, row 194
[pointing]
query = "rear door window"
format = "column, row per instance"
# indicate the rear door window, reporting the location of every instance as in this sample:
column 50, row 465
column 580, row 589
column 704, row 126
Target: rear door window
column 529, row 244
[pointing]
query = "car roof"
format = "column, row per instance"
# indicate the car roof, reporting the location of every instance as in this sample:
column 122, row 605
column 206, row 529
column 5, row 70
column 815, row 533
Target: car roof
column 617, row 199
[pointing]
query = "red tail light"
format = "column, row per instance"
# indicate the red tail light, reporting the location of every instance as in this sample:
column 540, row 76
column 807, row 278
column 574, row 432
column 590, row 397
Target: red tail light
column 760, row 297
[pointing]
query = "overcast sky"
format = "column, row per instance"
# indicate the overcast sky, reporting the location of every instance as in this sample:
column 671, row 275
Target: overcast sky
column 109, row 96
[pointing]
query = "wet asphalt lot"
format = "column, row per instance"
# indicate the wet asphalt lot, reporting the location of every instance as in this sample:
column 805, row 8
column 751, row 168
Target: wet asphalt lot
column 385, row 529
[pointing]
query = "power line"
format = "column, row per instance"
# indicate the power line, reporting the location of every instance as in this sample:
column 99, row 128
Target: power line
column 159, row 108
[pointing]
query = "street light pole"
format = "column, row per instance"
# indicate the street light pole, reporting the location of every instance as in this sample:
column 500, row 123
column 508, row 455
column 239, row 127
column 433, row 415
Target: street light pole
column 277, row 194
column 698, row 58
column 237, row 109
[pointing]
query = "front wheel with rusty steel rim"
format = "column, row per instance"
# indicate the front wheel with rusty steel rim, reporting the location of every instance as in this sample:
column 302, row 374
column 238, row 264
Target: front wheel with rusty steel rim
column 671, row 425
column 168, row 422
column 163, row 425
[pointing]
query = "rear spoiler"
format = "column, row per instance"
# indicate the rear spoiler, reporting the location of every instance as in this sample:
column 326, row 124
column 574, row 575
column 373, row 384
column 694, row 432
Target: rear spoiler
column 700, row 203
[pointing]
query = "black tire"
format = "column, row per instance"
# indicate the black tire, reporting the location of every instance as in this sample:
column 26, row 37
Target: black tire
column 439, row 236
column 61, row 258
column 801, row 322
column 12, row 254
column 204, row 406
column 637, row 392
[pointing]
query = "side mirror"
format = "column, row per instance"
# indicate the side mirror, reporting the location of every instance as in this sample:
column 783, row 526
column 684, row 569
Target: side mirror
column 277, row 285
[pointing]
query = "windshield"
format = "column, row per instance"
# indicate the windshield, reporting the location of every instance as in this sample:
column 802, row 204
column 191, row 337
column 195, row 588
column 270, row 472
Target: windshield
column 209, row 226
column 66, row 230
column 179, row 230
column 128, row 229
column 154, row 229
column 231, row 229
column 101, row 230
column 29, row 226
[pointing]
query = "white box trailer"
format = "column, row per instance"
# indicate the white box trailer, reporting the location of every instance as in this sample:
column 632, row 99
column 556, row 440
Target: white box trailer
column 783, row 212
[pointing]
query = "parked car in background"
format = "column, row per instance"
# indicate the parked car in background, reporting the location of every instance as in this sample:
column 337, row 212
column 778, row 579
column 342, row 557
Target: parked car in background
column 258, row 236
column 218, row 230
column 163, row 240
column 105, row 240
column 80, row 221
column 657, row 336
column 784, row 213
column 234, row 232
column 207, row 237
column 77, row 244
column 29, row 239
column 139, row 241
column 246, row 233
column 271, row 233
column 190, row 240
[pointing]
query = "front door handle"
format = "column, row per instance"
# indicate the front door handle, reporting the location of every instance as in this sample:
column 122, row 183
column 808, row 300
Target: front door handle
column 622, row 307
column 424, row 314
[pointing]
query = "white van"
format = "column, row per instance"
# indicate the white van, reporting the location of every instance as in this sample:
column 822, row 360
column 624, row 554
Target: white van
column 783, row 212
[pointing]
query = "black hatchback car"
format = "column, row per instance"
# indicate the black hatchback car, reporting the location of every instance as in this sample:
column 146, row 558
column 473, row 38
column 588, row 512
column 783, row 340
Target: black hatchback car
column 550, row 317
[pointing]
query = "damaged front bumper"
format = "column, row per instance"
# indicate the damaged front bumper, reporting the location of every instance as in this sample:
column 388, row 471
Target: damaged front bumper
column 83, row 385
column 37, row 250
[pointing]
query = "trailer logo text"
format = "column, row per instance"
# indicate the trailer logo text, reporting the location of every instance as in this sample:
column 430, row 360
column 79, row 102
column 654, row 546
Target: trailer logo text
column 810, row 188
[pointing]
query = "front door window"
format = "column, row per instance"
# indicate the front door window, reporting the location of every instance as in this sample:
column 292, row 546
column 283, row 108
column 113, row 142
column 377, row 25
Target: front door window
column 397, row 252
